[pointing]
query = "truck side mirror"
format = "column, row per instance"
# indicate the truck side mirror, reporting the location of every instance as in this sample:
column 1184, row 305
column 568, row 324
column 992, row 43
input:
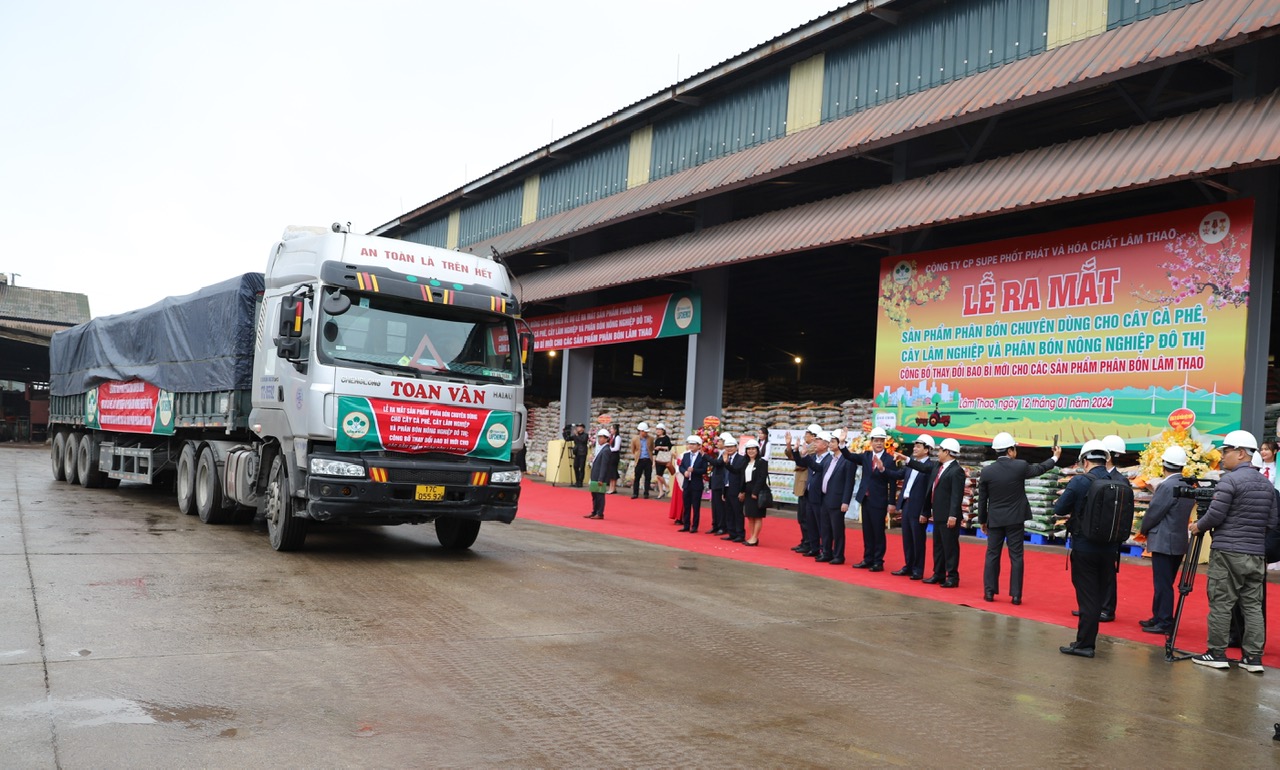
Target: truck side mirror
column 289, row 328
column 526, row 356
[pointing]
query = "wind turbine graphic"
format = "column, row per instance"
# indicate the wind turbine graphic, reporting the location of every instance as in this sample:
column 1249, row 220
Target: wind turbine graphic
column 1213, row 404
column 1186, row 387
column 1153, row 399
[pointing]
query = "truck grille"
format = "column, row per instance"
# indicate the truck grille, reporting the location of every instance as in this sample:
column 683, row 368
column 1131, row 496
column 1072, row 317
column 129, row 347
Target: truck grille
column 419, row 476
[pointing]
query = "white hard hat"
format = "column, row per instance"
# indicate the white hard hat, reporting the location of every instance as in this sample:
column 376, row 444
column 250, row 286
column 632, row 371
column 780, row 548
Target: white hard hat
column 1002, row 441
column 1113, row 444
column 926, row 439
column 877, row 433
column 951, row 445
column 728, row 440
column 693, row 440
column 603, row 432
column 1093, row 449
column 659, row 426
column 749, row 443
column 1175, row 456
column 1256, row 460
column 644, row 426
column 1241, row 439
column 823, row 435
column 814, row 429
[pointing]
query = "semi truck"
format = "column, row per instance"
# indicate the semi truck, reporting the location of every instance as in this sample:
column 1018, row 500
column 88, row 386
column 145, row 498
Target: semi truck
column 359, row 380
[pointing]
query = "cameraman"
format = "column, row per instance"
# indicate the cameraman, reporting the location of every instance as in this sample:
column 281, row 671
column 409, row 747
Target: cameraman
column 1093, row 564
column 1165, row 525
column 1243, row 508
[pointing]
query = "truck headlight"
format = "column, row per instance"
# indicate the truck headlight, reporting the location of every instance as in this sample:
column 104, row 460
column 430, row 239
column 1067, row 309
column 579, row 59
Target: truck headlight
column 505, row 477
column 322, row 466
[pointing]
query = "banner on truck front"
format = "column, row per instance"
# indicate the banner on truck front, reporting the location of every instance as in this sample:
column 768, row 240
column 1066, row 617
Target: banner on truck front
column 129, row 407
column 374, row 424
column 1124, row 327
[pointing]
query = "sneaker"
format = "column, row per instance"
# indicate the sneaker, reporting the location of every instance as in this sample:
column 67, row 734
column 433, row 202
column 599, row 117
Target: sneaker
column 1252, row 663
column 1213, row 660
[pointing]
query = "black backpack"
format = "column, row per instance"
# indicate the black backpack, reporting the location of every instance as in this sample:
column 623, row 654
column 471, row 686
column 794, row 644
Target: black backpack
column 1107, row 516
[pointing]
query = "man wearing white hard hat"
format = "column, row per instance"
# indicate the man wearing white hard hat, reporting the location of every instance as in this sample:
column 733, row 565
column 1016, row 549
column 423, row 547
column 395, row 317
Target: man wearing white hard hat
column 642, row 450
column 1092, row 562
column 1243, row 508
column 1165, row 525
column 731, row 465
column 806, row 515
column 875, row 494
column 1003, row 510
column 946, row 492
column 913, row 501
column 689, row 473
column 599, row 474
column 1115, row 447
column 820, row 463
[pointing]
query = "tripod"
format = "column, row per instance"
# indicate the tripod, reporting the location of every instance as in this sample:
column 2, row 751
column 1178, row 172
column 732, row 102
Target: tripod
column 1186, row 583
column 566, row 456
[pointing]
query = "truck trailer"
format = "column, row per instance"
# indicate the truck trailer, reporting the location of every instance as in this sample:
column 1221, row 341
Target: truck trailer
column 359, row 380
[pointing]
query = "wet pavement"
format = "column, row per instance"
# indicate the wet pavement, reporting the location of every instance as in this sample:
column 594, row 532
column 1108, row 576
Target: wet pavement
column 134, row 636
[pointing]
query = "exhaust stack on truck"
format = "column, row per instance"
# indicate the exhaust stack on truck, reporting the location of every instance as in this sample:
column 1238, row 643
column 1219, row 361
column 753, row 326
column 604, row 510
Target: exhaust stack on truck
column 359, row 380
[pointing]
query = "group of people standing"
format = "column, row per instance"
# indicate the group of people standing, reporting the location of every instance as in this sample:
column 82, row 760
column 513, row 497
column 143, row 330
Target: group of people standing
column 738, row 482
column 652, row 453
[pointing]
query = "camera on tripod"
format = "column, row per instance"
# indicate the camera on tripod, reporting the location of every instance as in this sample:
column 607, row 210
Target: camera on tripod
column 567, row 433
column 1200, row 490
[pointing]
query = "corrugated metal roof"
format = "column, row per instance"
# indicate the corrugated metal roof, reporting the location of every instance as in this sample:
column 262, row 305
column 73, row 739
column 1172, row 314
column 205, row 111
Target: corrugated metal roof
column 1122, row 52
column 40, row 312
column 1214, row 140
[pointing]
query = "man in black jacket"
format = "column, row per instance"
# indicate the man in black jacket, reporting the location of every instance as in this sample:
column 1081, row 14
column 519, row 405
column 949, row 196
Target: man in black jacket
column 1243, row 509
column 581, row 443
column 1093, row 563
column 946, row 492
column 913, row 501
column 1165, row 525
column 1003, row 511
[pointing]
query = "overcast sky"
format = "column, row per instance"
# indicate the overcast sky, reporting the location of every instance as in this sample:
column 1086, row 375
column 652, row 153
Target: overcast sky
column 150, row 148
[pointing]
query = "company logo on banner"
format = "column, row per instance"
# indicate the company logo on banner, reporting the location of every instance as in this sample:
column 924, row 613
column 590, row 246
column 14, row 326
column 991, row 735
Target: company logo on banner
column 129, row 407
column 1126, row 327
column 375, row 424
column 670, row 315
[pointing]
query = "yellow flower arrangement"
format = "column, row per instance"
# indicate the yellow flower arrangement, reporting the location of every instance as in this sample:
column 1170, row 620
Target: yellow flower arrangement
column 1202, row 456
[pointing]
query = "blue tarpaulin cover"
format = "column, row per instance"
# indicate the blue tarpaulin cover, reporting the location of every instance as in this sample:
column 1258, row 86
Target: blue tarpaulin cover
column 197, row 343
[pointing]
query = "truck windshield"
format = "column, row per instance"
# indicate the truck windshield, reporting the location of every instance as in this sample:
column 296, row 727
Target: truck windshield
column 440, row 340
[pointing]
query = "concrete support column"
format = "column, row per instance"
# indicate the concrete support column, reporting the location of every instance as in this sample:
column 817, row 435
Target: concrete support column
column 704, row 382
column 575, row 386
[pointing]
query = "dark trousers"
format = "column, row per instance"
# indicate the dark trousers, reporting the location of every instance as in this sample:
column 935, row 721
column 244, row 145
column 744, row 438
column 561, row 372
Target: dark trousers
column 734, row 523
column 597, row 504
column 579, row 469
column 1109, row 601
column 823, row 525
column 807, row 538
column 1164, row 573
column 873, row 542
column 692, row 502
column 913, row 544
column 718, row 523
column 835, row 523
column 643, row 466
column 1094, row 576
column 946, row 550
column 813, row 515
column 996, row 538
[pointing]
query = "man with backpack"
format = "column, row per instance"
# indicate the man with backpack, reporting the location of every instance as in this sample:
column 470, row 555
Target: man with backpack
column 1244, row 507
column 1099, row 510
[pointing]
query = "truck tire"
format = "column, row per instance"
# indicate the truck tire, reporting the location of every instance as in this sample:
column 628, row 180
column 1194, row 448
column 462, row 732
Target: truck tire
column 56, row 448
column 286, row 531
column 208, row 489
column 70, row 455
column 456, row 534
column 185, row 481
column 87, row 463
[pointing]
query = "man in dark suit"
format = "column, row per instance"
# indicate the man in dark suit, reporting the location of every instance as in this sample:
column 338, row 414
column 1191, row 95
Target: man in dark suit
column 599, row 474
column 689, row 472
column 836, row 484
column 731, row 465
column 817, row 462
column 946, row 491
column 913, row 501
column 875, row 494
column 719, row 477
column 1003, row 510
column 805, row 517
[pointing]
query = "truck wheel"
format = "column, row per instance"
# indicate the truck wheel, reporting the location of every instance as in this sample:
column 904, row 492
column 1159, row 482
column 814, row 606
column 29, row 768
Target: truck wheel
column 208, row 488
column 70, row 454
column 286, row 531
column 87, row 463
column 186, row 479
column 456, row 534
column 57, row 447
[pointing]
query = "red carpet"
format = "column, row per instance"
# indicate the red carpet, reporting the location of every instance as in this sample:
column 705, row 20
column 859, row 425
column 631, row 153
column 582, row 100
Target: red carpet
column 1047, row 593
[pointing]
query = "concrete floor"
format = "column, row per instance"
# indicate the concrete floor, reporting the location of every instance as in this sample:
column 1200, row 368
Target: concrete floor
column 137, row 637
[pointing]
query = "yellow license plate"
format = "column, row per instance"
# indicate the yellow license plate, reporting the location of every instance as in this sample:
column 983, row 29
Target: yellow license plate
column 428, row 493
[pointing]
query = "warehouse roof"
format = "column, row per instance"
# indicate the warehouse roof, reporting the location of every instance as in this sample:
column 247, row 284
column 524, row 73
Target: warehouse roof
column 28, row 314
